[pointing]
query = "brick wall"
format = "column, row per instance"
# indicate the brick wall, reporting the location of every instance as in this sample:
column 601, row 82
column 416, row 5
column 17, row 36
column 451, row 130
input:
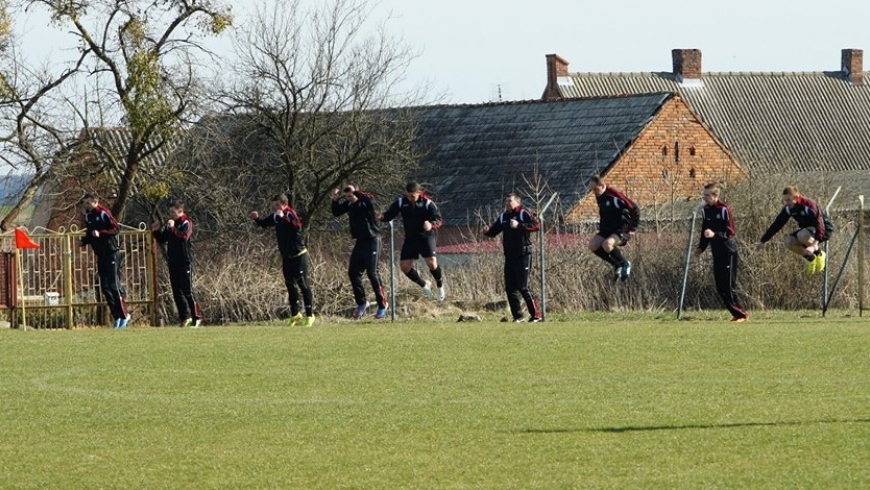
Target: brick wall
column 7, row 278
column 671, row 161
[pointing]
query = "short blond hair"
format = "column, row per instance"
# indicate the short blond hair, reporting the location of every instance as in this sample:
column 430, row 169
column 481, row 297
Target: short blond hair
column 791, row 191
column 713, row 187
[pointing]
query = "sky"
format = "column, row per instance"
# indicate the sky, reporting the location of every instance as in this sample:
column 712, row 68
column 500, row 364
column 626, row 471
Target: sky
column 471, row 50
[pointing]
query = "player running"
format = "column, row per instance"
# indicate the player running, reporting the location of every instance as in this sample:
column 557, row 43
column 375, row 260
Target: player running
column 813, row 229
column 619, row 217
column 294, row 256
column 176, row 234
column 718, row 232
column 517, row 224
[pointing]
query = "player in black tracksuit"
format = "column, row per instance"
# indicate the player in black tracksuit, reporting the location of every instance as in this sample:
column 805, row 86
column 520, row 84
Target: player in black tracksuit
column 421, row 218
column 618, row 218
column 517, row 224
column 813, row 229
column 294, row 256
column 179, row 257
column 366, row 230
column 101, row 233
column 718, row 233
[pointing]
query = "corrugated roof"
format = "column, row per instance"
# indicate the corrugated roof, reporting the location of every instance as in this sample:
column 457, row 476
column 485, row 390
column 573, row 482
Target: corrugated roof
column 476, row 153
column 772, row 122
column 110, row 145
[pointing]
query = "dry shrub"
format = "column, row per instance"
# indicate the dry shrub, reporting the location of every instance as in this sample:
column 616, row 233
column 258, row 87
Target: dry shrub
column 238, row 276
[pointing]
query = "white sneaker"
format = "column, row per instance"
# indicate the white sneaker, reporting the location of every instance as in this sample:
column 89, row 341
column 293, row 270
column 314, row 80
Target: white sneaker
column 441, row 294
column 427, row 290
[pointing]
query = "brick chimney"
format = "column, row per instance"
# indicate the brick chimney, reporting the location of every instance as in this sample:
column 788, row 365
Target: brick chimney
column 853, row 65
column 556, row 67
column 687, row 64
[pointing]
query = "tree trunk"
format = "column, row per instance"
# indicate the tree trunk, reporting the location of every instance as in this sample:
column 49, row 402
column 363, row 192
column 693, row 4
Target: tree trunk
column 125, row 187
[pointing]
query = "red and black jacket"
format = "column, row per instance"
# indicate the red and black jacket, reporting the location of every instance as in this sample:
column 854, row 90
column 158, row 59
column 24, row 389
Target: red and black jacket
column 177, row 240
column 362, row 216
column 516, row 241
column 617, row 212
column 101, row 219
column 717, row 218
column 414, row 214
column 807, row 214
column 288, row 231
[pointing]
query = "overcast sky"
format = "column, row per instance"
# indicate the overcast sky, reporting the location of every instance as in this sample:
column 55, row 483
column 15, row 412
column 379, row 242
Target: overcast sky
column 468, row 49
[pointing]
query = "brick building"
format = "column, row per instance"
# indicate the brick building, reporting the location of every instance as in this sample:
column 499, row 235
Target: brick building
column 811, row 128
column 651, row 146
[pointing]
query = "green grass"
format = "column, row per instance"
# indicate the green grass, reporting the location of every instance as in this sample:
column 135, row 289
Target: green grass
column 591, row 402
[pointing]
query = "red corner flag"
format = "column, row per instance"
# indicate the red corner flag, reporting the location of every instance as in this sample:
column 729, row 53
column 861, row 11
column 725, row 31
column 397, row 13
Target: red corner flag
column 22, row 240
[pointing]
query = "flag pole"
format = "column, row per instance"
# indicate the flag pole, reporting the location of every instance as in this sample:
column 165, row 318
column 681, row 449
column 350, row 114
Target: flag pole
column 21, row 289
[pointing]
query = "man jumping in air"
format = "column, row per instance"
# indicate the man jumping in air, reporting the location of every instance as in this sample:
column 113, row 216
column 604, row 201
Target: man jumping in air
column 101, row 233
column 619, row 217
column 813, row 229
column 421, row 218
column 366, row 230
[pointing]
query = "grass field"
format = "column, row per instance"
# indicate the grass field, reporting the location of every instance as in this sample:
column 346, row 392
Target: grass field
column 595, row 402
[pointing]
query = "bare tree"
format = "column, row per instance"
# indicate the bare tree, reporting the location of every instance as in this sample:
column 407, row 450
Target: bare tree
column 30, row 140
column 136, row 69
column 314, row 87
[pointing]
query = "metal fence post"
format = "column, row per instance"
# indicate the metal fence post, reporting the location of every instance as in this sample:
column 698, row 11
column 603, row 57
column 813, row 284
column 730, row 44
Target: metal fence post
column 68, row 280
column 392, row 271
column 840, row 274
column 860, row 255
column 825, row 294
column 543, row 255
column 151, row 261
column 688, row 261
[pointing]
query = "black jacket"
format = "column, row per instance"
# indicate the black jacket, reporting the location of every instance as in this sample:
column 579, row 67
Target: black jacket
column 288, row 231
column 516, row 241
column 362, row 216
column 807, row 214
column 101, row 219
column 414, row 214
column 616, row 211
column 719, row 219
column 177, row 238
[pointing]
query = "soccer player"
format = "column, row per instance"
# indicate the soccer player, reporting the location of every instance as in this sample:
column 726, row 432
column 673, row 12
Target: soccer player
column 421, row 218
column 176, row 234
column 718, row 233
column 813, row 229
column 619, row 217
column 517, row 224
column 294, row 256
column 101, row 233
column 366, row 230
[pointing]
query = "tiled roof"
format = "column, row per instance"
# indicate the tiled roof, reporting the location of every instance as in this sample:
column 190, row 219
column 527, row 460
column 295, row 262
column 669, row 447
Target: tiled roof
column 477, row 153
column 772, row 122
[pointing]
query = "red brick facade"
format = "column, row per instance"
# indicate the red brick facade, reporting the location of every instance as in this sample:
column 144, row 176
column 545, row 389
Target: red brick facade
column 670, row 161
